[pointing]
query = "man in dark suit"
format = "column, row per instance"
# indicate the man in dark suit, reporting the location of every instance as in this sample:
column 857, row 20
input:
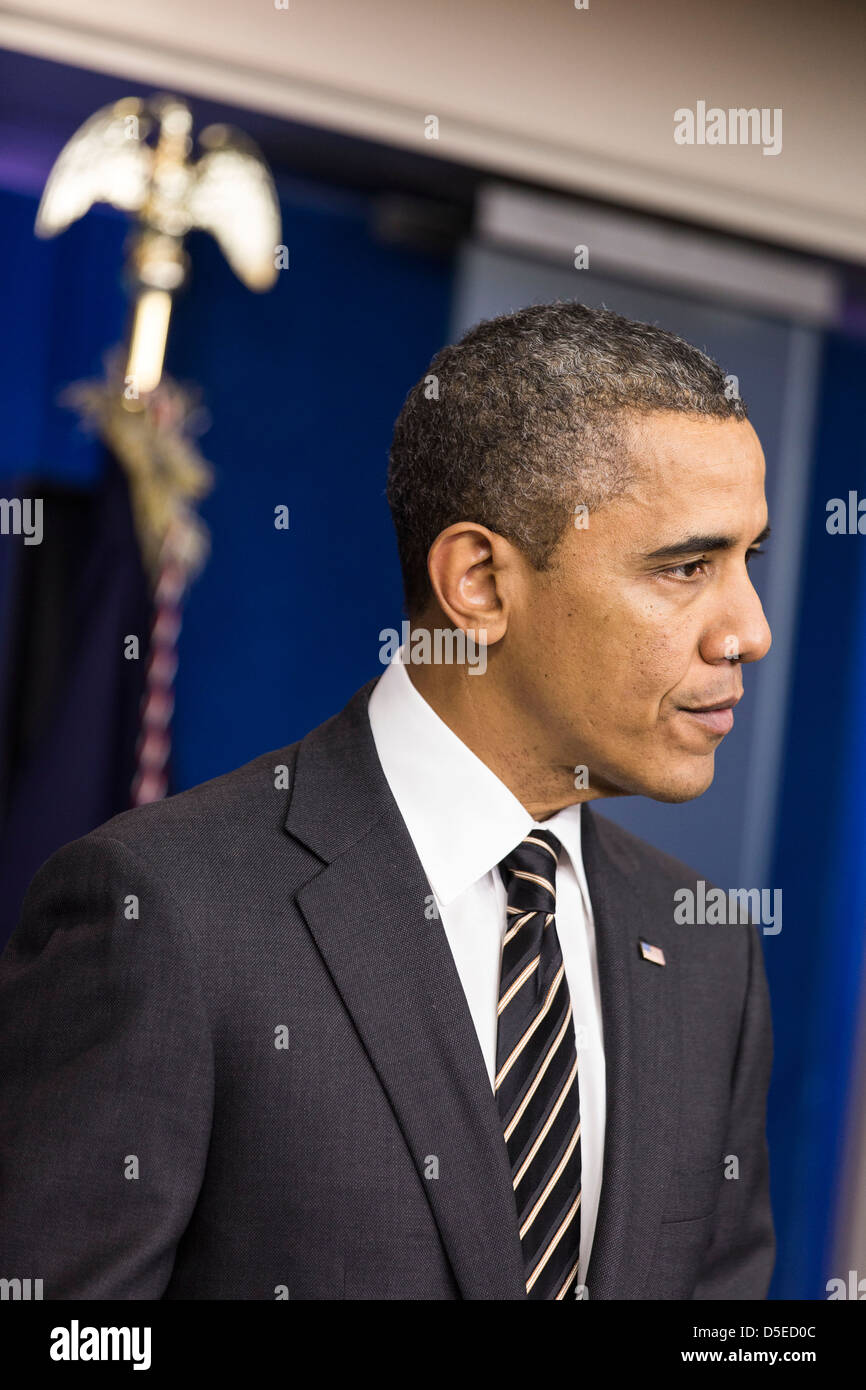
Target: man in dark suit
column 393, row 1012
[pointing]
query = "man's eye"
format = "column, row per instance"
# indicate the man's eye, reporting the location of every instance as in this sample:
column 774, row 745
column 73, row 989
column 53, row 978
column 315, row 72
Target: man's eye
column 689, row 569
column 679, row 571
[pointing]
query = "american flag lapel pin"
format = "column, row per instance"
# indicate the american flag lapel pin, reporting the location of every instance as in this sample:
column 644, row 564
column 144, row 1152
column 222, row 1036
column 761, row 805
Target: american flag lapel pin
column 653, row 953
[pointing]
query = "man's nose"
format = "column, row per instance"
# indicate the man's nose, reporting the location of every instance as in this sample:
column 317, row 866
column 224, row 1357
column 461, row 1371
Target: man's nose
column 741, row 631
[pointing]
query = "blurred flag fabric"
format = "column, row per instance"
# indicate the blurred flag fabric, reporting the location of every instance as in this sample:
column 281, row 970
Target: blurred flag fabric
column 69, row 699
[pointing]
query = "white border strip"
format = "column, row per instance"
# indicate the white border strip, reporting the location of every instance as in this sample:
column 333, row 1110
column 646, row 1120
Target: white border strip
column 644, row 249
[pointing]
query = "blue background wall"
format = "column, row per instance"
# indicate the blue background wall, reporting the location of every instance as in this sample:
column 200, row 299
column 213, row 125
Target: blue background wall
column 303, row 385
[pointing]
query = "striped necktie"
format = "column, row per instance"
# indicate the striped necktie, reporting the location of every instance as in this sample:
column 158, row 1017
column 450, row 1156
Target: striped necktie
column 536, row 1072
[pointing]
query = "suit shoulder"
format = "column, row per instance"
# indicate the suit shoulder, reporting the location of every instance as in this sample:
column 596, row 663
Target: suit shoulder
column 227, row 825
column 224, row 810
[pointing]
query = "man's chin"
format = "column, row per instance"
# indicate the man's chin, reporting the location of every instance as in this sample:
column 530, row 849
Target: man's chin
column 684, row 784
column 676, row 779
column 679, row 778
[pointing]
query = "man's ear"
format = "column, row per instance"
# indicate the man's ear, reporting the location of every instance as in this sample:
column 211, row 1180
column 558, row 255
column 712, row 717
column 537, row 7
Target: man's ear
column 468, row 567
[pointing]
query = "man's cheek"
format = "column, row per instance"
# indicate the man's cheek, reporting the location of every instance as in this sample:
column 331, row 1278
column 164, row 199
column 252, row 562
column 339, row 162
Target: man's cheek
column 654, row 669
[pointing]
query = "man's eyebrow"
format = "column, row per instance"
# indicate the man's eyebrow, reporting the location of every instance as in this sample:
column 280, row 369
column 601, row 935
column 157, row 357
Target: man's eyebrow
column 694, row 544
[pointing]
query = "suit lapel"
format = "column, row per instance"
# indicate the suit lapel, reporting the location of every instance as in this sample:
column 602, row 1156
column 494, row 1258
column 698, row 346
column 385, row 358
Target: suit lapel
column 641, row 1022
column 393, row 967
column 391, row 963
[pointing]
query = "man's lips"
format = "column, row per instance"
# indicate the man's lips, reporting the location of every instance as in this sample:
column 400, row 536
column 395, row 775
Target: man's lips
column 717, row 718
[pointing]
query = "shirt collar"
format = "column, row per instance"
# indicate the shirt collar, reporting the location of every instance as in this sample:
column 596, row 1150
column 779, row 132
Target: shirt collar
column 458, row 837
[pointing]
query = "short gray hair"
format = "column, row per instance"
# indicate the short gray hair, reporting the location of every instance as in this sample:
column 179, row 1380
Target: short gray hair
column 521, row 420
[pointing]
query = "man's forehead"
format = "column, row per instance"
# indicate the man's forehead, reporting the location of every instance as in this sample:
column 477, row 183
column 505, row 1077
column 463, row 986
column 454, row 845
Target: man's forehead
column 663, row 446
column 696, row 484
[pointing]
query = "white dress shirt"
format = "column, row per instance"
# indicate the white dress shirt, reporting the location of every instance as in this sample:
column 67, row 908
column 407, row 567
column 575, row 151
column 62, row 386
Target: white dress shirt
column 463, row 821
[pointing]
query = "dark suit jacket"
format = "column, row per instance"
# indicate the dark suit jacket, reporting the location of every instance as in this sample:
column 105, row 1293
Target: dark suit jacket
column 157, row 1142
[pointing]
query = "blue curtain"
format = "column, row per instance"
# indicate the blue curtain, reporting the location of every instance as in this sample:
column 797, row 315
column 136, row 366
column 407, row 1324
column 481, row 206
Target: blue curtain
column 817, row 979
column 303, row 386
